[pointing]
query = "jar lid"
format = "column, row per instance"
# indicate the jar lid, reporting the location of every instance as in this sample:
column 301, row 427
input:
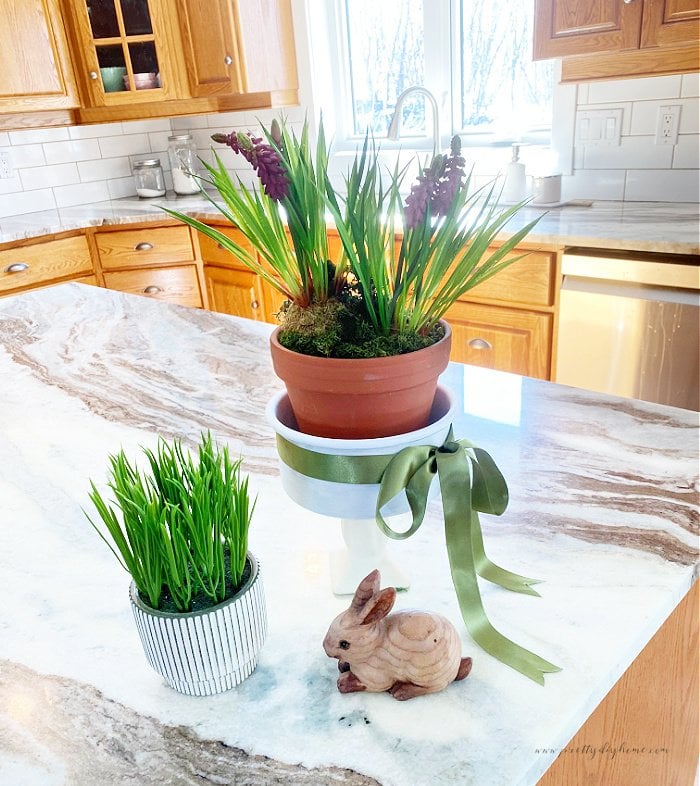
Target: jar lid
column 147, row 162
column 180, row 138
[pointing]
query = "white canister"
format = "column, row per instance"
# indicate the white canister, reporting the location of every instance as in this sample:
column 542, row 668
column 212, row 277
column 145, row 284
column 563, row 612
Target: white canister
column 546, row 190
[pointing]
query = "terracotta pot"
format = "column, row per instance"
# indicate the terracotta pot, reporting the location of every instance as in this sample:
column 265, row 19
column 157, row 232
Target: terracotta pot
column 364, row 398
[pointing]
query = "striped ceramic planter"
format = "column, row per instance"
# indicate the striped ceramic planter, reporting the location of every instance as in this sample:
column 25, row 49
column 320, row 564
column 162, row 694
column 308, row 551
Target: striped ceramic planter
column 205, row 652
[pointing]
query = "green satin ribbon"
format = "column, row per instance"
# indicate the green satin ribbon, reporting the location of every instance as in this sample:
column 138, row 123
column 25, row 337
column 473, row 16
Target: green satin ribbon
column 470, row 482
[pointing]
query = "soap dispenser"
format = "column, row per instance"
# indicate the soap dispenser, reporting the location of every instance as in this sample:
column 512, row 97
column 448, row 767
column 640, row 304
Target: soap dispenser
column 514, row 187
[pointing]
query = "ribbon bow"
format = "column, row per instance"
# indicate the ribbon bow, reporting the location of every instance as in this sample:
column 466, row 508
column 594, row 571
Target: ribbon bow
column 470, row 482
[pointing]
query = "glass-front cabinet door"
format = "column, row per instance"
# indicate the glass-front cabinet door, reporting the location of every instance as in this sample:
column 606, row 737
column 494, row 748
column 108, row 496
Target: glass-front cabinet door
column 124, row 52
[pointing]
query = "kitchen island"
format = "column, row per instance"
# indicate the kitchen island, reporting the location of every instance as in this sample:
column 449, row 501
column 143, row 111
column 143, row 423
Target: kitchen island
column 604, row 510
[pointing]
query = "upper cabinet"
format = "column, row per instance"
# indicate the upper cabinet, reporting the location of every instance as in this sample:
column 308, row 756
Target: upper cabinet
column 613, row 38
column 35, row 67
column 110, row 60
column 124, row 52
column 239, row 47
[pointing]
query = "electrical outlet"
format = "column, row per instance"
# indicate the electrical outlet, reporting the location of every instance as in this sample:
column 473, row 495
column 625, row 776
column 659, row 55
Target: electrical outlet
column 667, row 125
column 6, row 169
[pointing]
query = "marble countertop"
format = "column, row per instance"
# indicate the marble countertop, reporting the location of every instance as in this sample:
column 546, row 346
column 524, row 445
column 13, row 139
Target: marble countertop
column 633, row 226
column 603, row 509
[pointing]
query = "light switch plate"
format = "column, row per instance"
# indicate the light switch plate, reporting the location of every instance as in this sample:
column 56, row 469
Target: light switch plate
column 598, row 127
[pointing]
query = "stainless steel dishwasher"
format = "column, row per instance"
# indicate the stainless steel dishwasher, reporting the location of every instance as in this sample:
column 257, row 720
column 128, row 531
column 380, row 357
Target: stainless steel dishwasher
column 629, row 325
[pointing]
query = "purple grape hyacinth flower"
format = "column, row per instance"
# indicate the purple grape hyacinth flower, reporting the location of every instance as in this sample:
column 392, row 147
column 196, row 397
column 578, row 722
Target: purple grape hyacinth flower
column 437, row 186
column 263, row 158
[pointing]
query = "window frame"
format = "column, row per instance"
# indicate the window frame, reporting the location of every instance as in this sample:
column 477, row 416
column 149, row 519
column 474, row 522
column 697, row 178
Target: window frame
column 441, row 23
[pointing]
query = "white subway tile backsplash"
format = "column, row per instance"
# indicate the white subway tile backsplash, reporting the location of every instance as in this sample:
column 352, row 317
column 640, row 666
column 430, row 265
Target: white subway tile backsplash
column 672, row 185
column 121, row 187
column 686, row 154
column 104, row 169
column 634, row 152
column 85, row 164
column 38, row 136
column 690, row 85
column 146, row 126
column 126, row 145
column 690, row 112
column 27, row 155
column 635, row 89
column 81, row 194
column 49, row 176
column 94, row 131
column 594, row 184
column 27, row 202
column 73, row 150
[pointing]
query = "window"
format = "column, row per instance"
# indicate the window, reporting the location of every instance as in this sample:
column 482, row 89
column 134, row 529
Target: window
column 473, row 55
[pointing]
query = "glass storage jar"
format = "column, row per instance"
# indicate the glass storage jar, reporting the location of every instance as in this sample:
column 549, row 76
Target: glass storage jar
column 148, row 175
column 183, row 161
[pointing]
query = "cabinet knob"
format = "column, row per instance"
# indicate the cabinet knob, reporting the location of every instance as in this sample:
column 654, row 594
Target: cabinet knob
column 228, row 60
column 152, row 290
column 254, row 304
column 93, row 75
column 17, row 267
column 480, row 343
column 143, row 247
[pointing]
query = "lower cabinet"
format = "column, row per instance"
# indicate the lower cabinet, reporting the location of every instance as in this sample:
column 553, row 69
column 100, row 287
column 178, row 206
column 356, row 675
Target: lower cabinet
column 233, row 291
column 175, row 284
column 501, row 338
column 30, row 265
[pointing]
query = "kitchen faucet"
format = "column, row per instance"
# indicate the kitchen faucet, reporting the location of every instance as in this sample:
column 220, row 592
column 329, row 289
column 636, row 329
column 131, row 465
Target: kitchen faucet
column 393, row 132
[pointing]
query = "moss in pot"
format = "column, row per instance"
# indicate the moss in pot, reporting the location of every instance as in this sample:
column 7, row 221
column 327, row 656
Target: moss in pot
column 180, row 529
column 380, row 297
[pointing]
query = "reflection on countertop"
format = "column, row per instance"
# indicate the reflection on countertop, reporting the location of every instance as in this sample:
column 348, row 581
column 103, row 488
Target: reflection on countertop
column 661, row 227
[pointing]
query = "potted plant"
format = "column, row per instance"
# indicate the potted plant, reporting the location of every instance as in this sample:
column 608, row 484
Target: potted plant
column 362, row 334
column 181, row 532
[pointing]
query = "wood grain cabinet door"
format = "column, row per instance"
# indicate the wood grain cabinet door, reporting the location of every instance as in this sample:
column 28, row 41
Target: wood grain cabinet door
column 35, row 67
column 671, row 22
column 577, row 27
column 501, row 338
column 235, row 291
column 211, row 48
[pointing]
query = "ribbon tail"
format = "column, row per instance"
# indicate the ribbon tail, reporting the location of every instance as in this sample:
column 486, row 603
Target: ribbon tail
column 456, row 497
column 494, row 573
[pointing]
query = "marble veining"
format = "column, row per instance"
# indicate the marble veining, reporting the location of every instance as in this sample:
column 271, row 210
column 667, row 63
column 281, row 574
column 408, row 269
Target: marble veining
column 635, row 226
column 604, row 509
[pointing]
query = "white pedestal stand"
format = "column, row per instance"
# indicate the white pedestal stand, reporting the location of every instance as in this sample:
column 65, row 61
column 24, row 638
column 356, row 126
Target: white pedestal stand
column 354, row 504
column 365, row 550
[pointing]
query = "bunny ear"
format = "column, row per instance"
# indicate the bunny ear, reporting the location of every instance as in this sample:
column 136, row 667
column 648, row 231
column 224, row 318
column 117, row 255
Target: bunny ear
column 368, row 587
column 378, row 606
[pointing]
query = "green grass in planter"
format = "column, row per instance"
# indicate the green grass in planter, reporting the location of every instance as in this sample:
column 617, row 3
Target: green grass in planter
column 181, row 530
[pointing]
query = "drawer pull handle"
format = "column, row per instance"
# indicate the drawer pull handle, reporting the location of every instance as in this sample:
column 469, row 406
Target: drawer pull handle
column 143, row 247
column 17, row 267
column 480, row 343
column 152, row 290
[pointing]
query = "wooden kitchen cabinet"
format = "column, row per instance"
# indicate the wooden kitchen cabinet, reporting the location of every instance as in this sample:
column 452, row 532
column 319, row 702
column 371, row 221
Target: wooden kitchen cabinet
column 235, row 291
column 239, row 46
column 175, row 284
column 613, row 38
column 36, row 72
column 35, row 263
column 126, row 51
column 507, row 322
column 155, row 261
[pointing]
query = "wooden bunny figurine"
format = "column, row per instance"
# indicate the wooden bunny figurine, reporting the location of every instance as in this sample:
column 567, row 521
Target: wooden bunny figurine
column 408, row 653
